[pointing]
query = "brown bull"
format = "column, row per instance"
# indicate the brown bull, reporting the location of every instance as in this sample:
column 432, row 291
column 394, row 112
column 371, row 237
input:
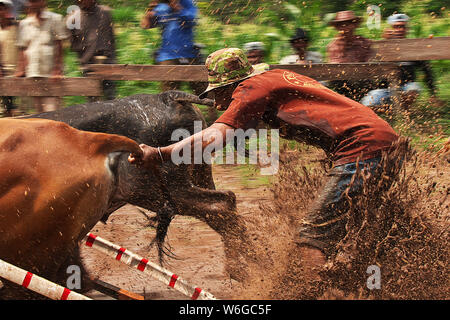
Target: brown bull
column 56, row 183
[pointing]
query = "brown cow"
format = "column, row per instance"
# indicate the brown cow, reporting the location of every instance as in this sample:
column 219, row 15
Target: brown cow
column 56, row 183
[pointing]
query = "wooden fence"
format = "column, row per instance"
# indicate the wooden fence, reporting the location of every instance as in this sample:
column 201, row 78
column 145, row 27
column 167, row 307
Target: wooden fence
column 384, row 65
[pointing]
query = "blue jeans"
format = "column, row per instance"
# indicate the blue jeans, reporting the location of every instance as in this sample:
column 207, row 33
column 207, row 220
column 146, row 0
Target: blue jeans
column 324, row 225
column 379, row 97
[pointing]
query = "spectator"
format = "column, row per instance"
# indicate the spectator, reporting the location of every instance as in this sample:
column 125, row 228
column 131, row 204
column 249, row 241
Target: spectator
column 94, row 41
column 176, row 18
column 255, row 52
column 399, row 23
column 409, row 88
column 40, row 39
column 349, row 48
column 8, row 49
column 299, row 43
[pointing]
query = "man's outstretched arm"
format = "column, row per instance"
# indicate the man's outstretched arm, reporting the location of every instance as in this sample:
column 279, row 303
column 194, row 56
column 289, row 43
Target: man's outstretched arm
column 214, row 136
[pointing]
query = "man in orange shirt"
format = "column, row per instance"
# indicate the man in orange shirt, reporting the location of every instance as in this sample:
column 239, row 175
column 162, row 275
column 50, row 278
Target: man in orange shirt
column 302, row 109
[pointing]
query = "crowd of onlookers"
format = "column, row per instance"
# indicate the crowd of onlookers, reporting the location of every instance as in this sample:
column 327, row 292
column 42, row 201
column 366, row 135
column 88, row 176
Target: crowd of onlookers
column 348, row 47
column 31, row 45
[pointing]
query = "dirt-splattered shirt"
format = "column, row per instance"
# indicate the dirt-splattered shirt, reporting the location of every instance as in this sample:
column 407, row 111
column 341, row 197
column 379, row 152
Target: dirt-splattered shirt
column 306, row 111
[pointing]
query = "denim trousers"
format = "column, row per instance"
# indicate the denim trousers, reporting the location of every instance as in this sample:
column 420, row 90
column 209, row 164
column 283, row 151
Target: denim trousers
column 324, row 225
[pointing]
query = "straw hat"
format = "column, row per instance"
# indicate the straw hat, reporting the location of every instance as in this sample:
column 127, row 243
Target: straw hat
column 345, row 16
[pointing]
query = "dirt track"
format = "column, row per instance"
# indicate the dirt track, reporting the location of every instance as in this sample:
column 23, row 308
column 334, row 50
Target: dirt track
column 201, row 258
column 200, row 252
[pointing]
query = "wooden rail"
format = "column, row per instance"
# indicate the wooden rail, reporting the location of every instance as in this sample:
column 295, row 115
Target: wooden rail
column 135, row 72
column 412, row 49
column 387, row 54
column 47, row 87
column 343, row 71
column 324, row 71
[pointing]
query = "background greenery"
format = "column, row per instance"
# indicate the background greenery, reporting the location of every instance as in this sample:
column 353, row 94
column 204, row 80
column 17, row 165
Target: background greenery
column 225, row 23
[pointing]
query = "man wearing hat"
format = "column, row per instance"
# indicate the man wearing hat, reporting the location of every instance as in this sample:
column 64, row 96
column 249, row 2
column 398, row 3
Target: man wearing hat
column 399, row 23
column 299, row 43
column 255, row 52
column 302, row 109
column 8, row 49
column 409, row 89
column 349, row 48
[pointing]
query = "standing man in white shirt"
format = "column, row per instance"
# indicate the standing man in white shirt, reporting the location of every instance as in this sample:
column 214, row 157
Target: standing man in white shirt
column 40, row 43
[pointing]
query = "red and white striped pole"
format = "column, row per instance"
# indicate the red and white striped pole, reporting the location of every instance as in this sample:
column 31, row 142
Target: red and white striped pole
column 37, row 284
column 155, row 271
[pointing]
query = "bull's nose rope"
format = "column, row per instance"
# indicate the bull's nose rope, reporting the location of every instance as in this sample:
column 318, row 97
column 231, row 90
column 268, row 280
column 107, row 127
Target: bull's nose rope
column 135, row 261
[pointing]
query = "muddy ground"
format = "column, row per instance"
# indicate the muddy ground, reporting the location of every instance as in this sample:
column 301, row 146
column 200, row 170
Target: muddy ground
column 199, row 250
column 411, row 247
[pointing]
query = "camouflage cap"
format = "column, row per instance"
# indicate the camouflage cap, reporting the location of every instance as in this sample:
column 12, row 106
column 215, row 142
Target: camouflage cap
column 227, row 66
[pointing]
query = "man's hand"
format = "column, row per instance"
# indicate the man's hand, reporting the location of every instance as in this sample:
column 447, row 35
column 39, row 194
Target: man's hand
column 149, row 160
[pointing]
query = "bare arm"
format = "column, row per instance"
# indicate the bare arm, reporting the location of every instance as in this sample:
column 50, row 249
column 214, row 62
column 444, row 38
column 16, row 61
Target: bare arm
column 213, row 136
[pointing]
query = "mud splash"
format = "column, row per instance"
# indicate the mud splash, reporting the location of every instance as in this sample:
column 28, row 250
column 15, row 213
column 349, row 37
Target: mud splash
column 402, row 229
